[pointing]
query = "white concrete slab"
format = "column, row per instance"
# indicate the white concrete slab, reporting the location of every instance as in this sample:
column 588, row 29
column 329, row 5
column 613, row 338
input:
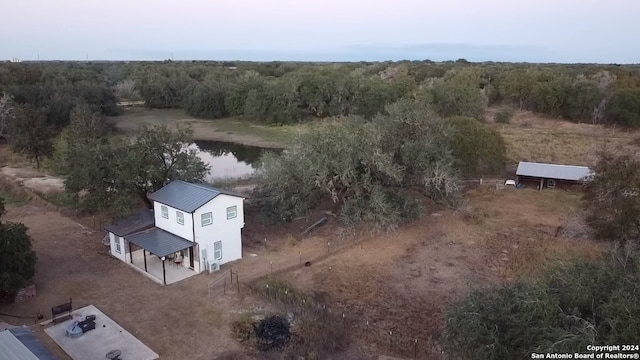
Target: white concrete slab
column 173, row 272
column 94, row 344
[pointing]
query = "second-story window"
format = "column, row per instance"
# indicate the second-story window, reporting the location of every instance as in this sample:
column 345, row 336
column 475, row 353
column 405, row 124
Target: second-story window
column 206, row 219
column 180, row 217
column 165, row 211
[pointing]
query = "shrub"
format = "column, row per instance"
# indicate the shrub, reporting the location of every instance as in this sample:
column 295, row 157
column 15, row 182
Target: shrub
column 574, row 306
column 504, row 116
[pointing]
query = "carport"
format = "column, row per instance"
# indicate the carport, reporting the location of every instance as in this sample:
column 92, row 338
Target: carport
column 162, row 244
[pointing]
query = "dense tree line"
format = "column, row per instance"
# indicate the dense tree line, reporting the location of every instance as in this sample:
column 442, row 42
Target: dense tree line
column 282, row 92
column 285, row 93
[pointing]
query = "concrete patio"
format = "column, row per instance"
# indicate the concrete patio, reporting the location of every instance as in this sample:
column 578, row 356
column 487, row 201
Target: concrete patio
column 95, row 344
column 173, row 272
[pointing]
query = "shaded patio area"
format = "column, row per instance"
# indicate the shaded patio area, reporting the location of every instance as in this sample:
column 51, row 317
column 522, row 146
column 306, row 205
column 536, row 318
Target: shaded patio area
column 153, row 259
column 172, row 272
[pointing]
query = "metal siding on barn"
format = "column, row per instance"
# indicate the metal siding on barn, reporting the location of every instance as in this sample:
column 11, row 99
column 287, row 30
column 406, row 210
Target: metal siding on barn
column 553, row 171
column 12, row 348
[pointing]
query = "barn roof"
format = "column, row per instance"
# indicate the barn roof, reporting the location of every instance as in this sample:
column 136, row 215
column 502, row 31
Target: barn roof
column 188, row 197
column 553, row 171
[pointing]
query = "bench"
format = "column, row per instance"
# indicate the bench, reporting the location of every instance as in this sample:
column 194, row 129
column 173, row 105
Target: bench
column 62, row 309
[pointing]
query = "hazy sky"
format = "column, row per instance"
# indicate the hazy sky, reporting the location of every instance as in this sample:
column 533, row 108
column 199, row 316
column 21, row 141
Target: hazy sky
column 511, row 30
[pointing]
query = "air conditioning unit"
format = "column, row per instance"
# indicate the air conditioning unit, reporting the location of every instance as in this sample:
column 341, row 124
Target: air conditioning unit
column 213, row 266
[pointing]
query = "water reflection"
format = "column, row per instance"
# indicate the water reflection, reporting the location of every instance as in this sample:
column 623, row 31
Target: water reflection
column 229, row 160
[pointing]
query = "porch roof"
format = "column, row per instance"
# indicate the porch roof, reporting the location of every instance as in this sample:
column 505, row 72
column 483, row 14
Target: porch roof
column 159, row 242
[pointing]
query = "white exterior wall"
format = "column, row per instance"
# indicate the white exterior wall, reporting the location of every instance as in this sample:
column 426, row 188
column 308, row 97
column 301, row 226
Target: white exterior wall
column 171, row 224
column 229, row 232
column 123, row 250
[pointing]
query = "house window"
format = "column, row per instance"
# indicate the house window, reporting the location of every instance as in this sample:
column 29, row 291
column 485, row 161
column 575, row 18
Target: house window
column 117, row 242
column 206, row 219
column 217, row 250
column 164, row 211
column 232, row 212
column 180, row 217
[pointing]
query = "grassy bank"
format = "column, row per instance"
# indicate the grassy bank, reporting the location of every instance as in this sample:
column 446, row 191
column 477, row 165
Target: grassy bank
column 228, row 129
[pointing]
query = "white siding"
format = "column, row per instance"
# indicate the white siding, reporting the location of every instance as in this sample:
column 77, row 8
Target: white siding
column 171, row 224
column 228, row 231
column 123, row 250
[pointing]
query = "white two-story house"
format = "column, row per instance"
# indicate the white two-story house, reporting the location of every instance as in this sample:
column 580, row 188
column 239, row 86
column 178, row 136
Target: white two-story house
column 192, row 228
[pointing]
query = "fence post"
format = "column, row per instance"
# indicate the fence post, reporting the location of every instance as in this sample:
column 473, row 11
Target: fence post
column 390, row 339
column 238, row 282
column 328, row 247
column 366, row 335
column 415, row 348
column 300, row 255
column 224, row 287
column 271, row 262
column 231, row 275
column 344, row 321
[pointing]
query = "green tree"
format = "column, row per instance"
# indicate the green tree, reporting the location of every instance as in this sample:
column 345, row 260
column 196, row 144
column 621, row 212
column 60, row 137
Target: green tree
column 206, row 100
column 624, row 107
column 17, row 258
column 458, row 93
column 517, row 87
column 613, row 198
column 30, row 134
column 477, row 149
column 368, row 169
column 118, row 175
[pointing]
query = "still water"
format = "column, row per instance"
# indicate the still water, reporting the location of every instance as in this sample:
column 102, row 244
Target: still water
column 230, row 160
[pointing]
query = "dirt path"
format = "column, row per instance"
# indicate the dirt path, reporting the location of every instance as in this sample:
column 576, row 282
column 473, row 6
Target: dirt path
column 33, row 180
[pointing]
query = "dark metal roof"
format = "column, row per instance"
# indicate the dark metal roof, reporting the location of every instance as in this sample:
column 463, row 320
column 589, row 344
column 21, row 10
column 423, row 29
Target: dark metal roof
column 159, row 242
column 188, row 197
column 12, row 348
column 139, row 221
column 28, row 339
column 554, row 171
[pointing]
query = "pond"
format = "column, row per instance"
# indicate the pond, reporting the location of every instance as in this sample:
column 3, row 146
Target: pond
column 230, row 160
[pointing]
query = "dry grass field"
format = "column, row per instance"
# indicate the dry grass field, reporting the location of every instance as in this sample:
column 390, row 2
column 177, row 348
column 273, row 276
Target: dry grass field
column 534, row 137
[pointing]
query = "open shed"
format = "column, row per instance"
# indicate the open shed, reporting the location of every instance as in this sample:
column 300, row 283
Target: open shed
column 550, row 176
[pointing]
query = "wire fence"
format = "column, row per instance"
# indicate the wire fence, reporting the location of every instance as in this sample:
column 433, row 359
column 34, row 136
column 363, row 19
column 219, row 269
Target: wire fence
column 388, row 339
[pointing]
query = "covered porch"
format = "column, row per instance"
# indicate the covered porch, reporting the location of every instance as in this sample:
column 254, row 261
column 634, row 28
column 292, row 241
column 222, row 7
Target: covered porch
column 156, row 253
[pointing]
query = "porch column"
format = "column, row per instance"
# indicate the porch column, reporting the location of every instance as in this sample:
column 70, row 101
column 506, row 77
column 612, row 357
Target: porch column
column 164, row 275
column 130, row 253
column 144, row 253
column 541, row 183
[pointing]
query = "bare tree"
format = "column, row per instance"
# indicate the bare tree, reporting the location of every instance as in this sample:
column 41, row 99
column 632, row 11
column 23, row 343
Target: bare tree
column 6, row 113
